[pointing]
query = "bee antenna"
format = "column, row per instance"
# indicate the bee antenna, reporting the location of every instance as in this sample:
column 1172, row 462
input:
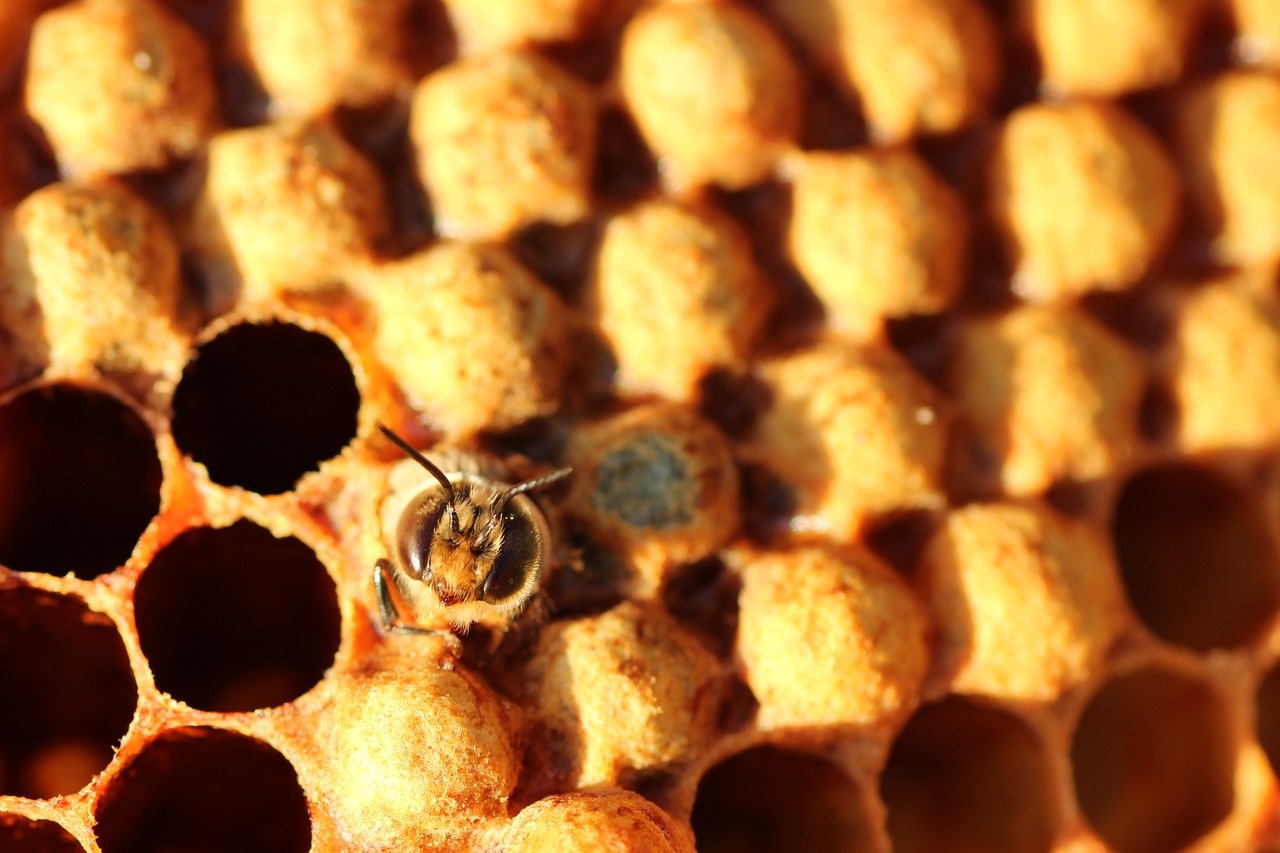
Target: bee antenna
column 529, row 486
column 431, row 467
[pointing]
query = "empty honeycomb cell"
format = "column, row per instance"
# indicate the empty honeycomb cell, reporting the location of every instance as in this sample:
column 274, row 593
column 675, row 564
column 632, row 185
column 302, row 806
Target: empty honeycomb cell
column 967, row 778
column 417, row 757
column 703, row 597
column 1198, row 559
column 487, row 25
column 310, row 58
column 197, row 788
column 119, row 86
column 659, row 482
column 1153, row 757
column 1224, row 369
column 1083, row 196
column 876, row 234
column 503, row 141
column 677, row 295
column 289, row 206
column 628, row 690
column 854, row 432
column 261, row 404
column 72, row 455
column 1027, row 603
column 472, row 338
column 1052, row 396
column 1267, row 716
column 1227, row 130
column 16, row 18
column 769, row 800
column 23, row 835
column 596, row 820
column 1258, row 32
column 90, row 280
column 829, row 637
column 712, row 89
column 234, row 619
column 68, row 688
column 915, row 67
column 1111, row 49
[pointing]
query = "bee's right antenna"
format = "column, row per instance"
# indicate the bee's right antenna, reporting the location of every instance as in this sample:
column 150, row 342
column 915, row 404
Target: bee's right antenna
column 430, row 466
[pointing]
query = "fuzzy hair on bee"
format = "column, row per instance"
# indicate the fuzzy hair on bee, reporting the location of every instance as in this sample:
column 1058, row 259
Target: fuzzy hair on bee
column 467, row 549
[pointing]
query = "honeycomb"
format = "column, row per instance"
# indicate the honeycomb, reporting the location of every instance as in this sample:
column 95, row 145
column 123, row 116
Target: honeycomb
column 918, row 362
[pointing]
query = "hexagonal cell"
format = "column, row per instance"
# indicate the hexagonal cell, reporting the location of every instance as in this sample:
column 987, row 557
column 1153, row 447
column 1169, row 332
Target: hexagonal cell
column 20, row 834
column 69, row 693
column 770, row 799
column 82, row 480
column 262, row 404
column 234, row 619
column 204, row 789
column 956, row 775
column 1196, row 556
column 1153, row 757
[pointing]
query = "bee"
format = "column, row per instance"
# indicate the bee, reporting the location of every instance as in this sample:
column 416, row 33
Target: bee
column 467, row 549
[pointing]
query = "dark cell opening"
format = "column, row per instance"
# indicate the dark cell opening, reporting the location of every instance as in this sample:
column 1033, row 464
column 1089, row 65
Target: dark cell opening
column 1153, row 758
column 1197, row 559
column 67, row 697
column 768, row 799
column 79, row 481
column 1268, row 718
column 963, row 777
column 208, row 790
column 22, row 835
column 261, row 405
column 234, row 619
column 703, row 596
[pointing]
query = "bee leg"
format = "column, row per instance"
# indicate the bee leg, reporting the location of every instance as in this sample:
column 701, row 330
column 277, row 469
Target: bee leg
column 392, row 621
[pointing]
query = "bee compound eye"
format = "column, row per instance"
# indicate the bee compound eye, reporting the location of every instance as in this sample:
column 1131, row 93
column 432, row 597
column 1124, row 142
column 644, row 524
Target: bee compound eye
column 417, row 530
column 518, row 565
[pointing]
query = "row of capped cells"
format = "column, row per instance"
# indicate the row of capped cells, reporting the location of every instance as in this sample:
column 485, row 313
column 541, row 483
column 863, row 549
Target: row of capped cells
column 75, row 452
column 1081, row 195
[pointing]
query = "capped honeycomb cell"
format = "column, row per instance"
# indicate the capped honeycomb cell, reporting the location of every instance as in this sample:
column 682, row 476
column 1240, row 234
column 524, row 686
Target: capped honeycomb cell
column 289, row 206
column 659, row 482
column 417, row 757
column 1197, row 558
column 1052, row 396
column 119, row 86
column 677, row 295
column 1027, row 604
column 628, row 691
column 261, row 404
column 91, row 281
column 471, row 337
column 503, row 141
column 69, row 692
column 1225, row 365
column 1114, row 48
column 596, row 820
column 966, row 777
column 771, row 799
column 1258, row 31
column 712, row 89
column 1152, row 758
column 488, row 25
column 1083, row 196
column 71, row 454
column 313, row 57
column 829, row 637
column 199, row 788
column 915, row 67
column 1227, row 130
column 876, row 234
column 854, row 432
